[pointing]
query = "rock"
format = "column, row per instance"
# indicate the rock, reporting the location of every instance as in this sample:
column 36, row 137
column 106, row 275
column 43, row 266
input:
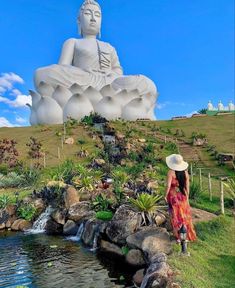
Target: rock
column 39, row 205
column 2, row 226
column 138, row 277
column 27, row 200
column 173, row 285
column 135, row 258
column 70, row 228
column 158, row 274
column 125, row 222
column 90, row 230
column 4, row 216
column 11, row 210
column 80, row 211
column 10, row 221
column 69, row 141
column 153, row 185
column 151, row 241
column 98, row 163
column 53, row 228
column 159, row 219
column 59, row 216
column 21, row 225
column 71, row 197
column 59, row 184
column 110, row 248
column 142, row 140
column 120, row 136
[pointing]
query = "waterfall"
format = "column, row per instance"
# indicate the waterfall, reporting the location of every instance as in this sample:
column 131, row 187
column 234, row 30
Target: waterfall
column 95, row 242
column 40, row 224
column 78, row 235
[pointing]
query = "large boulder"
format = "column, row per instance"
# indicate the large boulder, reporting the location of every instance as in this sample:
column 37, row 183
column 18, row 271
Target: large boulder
column 21, row 225
column 110, row 248
column 124, row 223
column 4, row 216
column 138, row 277
column 91, row 230
column 135, row 258
column 59, row 216
column 151, row 241
column 71, row 197
column 80, row 211
column 70, row 228
column 39, row 204
column 2, row 226
column 158, row 274
column 53, row 228
column 10, row 221
column 11, row 210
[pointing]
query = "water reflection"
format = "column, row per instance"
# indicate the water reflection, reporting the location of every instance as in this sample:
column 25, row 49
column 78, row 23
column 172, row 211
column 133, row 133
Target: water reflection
column 48, row 262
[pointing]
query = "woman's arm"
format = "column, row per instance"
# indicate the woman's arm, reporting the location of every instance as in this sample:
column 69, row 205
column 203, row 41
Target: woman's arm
column 187, row 184
column 168, row 187
column 66, row 57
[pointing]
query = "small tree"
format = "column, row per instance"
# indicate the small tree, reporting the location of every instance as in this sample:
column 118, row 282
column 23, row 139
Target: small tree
column 8, row 152
column 202, row 111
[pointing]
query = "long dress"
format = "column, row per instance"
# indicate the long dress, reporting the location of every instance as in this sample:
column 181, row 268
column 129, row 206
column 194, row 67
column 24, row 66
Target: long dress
column 180, row 212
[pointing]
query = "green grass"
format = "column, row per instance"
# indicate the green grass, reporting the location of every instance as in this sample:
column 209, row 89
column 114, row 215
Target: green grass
column 212, row 261
column 218, row 129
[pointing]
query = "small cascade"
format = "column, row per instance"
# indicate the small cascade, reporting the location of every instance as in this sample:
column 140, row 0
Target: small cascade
column 78, row 236
column 40, row 224
column 95, row 242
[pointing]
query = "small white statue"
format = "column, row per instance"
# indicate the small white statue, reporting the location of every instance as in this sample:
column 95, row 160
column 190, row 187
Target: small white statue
column 220, row 106
column 88, row 63
column 210, row 106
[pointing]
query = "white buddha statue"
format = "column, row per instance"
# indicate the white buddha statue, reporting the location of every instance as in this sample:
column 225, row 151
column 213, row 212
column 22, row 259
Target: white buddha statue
column 90, row 67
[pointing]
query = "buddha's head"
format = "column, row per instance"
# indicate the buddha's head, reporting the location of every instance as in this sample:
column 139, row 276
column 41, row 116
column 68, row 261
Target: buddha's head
column 89, row 18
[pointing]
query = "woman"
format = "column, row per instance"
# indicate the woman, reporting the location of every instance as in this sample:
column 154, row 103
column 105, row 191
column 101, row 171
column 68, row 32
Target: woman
column 177, row 196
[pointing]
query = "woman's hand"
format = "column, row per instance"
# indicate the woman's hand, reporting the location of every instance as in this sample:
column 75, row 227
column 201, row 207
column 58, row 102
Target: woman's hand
column 166, row 199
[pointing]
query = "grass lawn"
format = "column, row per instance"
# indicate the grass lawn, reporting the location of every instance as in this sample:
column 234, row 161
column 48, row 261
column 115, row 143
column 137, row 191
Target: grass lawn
column 212, row 260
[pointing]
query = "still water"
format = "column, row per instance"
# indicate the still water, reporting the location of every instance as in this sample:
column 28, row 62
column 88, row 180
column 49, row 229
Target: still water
column 47, row 262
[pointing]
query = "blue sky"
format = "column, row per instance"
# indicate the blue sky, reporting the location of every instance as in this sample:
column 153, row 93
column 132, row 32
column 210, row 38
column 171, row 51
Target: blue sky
column 185, row 47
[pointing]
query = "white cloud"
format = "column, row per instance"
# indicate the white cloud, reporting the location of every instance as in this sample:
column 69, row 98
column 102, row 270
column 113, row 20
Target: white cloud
column 20, row 120
column 20, row 101
column 7, row 80
column 5, row 123
column 15, row 92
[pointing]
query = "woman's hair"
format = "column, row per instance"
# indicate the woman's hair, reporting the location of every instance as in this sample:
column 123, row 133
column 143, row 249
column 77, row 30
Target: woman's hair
column 181, row 177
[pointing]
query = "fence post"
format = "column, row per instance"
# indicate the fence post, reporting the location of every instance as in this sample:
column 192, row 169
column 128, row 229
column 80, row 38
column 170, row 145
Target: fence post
column 44, row 160
column 191, row 171
column 222, row 197
column 64, row 131
column 209, row 186
column 165, row 139
column 59, row 152
column 200, row 178
column 62, row 142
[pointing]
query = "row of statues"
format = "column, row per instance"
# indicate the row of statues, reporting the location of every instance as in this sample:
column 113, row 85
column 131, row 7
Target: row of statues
column 89, row 78
column 220, row 107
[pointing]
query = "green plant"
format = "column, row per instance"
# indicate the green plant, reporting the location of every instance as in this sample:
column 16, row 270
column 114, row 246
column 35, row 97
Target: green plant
column 64, row 172
column 81, row 141
column 101, row 203
column 104, row 215
column 195, row 190
column 170, row 146
column 27, row 212
column 230, row 185
column 146, row 204
column 125, row 250
column 5, row 200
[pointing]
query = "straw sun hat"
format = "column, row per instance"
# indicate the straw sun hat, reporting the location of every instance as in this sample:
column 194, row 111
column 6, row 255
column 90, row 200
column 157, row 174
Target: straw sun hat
column 176, row 162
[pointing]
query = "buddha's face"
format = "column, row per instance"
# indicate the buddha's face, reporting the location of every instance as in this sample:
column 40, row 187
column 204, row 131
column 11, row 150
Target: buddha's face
column 90, row 20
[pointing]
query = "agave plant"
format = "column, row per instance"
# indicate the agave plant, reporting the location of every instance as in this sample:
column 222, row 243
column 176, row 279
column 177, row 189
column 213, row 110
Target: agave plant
column 147, row 205
column 5, row 200
column 230, row 185
column 120, row 176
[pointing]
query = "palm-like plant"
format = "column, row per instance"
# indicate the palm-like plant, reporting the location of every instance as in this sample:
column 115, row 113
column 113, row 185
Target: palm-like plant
column 120, row 177
column 146, row 204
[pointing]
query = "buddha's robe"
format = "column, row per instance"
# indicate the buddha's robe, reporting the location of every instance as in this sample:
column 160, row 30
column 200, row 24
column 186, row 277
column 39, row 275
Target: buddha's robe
column 94, row 63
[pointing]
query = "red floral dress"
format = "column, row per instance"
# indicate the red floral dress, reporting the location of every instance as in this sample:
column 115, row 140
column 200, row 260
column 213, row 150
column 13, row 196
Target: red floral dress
column 180, row 211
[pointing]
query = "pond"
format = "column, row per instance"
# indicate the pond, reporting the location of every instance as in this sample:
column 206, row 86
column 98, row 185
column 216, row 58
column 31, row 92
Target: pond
column 45, row 261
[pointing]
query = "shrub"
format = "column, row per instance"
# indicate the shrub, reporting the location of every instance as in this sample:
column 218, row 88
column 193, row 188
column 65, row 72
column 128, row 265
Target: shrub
column 35, row 147
column 195, row 190
column 104, row 215
column 146, row 204
column 8, row 152
column 101, row 203
column 170, row 146
column 27, row 212
column 64, row 172
column 5, row 200
column 12, row 179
